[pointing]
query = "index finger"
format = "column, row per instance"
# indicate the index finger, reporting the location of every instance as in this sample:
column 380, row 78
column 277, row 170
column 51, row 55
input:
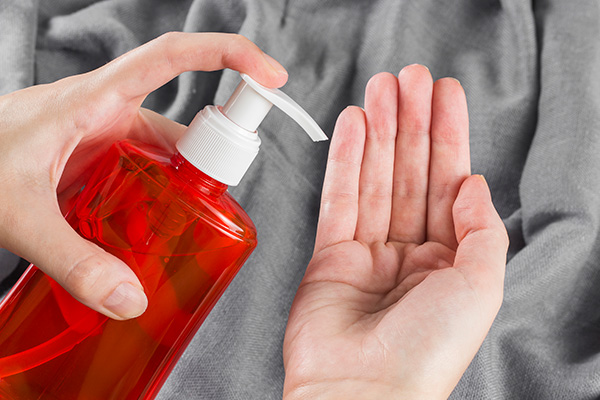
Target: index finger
column 339, row 203
column 155, row 63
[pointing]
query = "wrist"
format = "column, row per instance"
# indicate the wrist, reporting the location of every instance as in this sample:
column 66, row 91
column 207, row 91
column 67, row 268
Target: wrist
column 349, row 389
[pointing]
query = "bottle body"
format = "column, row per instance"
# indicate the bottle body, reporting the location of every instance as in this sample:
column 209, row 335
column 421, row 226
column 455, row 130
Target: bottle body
column 185, row 238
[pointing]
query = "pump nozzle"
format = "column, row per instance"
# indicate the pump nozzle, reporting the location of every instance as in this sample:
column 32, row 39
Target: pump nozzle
column 223, row 144
column 251, row 102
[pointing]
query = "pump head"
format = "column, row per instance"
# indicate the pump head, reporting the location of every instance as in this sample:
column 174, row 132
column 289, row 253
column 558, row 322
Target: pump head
column 222, row 143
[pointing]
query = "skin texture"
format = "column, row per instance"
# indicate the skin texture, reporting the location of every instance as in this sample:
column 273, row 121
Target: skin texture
column 408, row 268
column 50, row 135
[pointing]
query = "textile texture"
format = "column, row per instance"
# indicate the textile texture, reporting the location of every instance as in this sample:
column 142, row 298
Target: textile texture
column 530, row 71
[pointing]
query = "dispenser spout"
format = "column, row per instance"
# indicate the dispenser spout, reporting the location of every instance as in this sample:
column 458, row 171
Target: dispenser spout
column 222, row 142
column 250, row 103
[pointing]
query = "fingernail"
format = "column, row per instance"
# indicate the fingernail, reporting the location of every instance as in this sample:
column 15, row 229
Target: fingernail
column 415, row 65
column 275, row 65
column 418, row 65
column 482, row 178
column 126, row 301
column 456, row 80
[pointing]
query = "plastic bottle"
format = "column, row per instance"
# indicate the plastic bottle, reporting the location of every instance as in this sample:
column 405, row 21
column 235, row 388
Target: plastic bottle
column 171, row 219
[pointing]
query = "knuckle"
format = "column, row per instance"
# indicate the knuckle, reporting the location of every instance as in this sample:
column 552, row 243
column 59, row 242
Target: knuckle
column 415, row 131
column 83, row 275
column 337, row 199
column 167, row 41
column 446, row 191
column 168, row 38
column 410, row 188
column 376, row 190
column 384, row 132
column 237, row 44
column 459, row 208
column 240, row 40
column 447, row 135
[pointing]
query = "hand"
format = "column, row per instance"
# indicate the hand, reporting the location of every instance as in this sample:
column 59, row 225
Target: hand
column 51, row 134
column 408, row 268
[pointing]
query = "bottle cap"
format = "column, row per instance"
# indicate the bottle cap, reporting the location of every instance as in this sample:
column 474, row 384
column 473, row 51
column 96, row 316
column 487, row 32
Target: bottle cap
column 223, row 142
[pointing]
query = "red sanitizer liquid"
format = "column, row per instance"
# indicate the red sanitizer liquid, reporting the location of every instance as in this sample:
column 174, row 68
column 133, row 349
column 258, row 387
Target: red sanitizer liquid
column 182, row 234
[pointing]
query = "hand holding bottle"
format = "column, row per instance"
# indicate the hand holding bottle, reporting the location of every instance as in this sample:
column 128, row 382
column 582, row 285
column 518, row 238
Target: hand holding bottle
column 407, row 273
column 51, row 134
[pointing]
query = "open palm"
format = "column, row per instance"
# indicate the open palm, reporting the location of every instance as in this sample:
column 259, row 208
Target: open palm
column 407, row 273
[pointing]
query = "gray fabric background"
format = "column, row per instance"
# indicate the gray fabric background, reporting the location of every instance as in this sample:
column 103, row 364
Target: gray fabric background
column 530, row 70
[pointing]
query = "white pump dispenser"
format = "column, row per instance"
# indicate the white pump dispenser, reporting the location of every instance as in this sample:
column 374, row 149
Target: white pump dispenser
column 222, row 143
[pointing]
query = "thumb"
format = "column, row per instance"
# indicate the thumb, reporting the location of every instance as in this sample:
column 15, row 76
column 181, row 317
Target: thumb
column 91, row 275
column 482, row 243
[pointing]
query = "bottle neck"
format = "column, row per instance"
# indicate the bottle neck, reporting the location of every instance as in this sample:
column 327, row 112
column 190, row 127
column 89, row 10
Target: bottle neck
column 193, row 176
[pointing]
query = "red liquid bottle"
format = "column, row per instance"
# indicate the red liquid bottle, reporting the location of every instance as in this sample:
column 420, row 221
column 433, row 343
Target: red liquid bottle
column 171, row 219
